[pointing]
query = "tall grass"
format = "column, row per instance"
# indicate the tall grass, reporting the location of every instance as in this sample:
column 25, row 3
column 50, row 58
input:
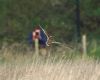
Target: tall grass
column 20, row 63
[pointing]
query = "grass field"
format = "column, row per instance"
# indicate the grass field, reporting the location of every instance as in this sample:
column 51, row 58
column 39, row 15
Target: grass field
column 22, row 64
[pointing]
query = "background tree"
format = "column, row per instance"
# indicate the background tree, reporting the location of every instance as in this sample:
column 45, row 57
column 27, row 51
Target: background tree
column 18, row 18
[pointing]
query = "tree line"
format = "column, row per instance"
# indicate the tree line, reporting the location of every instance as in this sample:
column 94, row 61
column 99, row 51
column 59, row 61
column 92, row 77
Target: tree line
column 19, row 17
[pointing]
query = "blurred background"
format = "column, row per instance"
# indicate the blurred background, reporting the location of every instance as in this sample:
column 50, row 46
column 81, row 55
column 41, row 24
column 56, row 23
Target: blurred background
column 66, row 20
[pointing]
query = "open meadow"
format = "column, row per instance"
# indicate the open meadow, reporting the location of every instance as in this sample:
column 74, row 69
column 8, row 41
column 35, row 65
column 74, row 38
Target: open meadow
column 20, row 63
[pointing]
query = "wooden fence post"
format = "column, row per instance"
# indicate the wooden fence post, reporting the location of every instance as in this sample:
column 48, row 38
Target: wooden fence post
column 84, row 45
column 36, row 46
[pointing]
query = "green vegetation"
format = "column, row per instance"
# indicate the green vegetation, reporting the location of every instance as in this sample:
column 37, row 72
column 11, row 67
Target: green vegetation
column 18, row 18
